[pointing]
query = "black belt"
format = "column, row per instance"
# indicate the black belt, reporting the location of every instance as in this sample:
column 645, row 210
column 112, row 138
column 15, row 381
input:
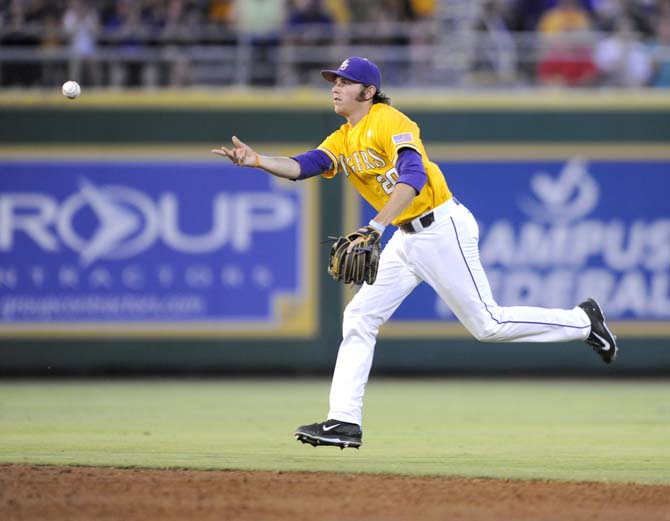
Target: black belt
column 425, row 221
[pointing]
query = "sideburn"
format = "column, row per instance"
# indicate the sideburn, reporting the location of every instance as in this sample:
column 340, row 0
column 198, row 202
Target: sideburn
column 361, row 94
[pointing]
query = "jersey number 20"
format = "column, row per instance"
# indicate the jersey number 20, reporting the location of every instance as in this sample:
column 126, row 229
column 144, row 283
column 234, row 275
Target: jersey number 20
column 388, row 180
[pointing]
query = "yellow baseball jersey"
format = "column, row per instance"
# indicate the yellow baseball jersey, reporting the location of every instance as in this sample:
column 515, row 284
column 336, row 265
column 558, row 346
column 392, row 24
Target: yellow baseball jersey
column 367, row 154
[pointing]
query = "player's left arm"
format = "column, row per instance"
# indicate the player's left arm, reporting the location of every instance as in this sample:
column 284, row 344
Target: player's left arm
column 398, row 138
column 401, row 198
column 412, row 178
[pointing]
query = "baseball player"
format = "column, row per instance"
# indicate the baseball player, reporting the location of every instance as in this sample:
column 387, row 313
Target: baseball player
column 379, row 150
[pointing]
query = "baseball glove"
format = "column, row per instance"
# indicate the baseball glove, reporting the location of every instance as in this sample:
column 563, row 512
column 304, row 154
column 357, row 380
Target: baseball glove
column 360, row 264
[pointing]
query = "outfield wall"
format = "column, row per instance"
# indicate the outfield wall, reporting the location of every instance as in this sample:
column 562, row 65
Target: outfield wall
column 212, row 270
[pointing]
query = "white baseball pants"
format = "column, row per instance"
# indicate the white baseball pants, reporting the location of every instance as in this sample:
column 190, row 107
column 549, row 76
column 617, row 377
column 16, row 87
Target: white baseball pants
column 446, row 256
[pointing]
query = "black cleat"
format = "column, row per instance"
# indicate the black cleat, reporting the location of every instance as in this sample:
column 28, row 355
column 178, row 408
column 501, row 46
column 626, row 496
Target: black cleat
column 601, row 338
column 331, row 432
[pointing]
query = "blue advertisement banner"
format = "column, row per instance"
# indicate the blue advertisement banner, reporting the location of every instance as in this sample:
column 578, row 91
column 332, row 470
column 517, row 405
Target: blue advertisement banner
column 153, row 247
column 555, row 232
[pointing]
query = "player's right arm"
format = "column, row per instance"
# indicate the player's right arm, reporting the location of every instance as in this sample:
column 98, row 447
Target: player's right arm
column 243, row 155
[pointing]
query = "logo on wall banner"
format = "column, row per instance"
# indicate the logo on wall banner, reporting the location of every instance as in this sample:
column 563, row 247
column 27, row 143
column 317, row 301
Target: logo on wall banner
column 146, row 242
column 570, row 196
column 553, row 233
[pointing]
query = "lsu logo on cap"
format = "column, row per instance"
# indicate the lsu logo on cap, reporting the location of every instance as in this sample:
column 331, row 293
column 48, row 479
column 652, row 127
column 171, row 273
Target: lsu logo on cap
column 399, row 139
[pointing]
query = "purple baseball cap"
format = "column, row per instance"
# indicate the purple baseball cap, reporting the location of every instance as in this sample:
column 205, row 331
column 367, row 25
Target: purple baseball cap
column 358, row 70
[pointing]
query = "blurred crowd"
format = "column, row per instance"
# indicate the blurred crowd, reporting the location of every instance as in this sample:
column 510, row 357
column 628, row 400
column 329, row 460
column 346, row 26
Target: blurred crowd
column 585, row 43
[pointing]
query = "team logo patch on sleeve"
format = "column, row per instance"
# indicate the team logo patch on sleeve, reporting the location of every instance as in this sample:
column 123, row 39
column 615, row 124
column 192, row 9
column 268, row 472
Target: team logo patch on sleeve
column 399, row 139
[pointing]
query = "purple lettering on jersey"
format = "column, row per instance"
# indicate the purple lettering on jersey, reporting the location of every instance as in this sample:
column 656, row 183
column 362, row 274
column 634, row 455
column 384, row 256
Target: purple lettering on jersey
column 410, row 169
column 313, row 163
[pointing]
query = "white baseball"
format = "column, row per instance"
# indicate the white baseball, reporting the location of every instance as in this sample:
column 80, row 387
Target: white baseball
column 71, row 89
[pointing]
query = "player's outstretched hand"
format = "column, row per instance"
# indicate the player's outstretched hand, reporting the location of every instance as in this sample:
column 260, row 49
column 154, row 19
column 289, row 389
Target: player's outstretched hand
column 241, row 154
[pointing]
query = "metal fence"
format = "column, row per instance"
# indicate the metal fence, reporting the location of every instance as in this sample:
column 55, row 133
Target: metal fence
column 429, row 53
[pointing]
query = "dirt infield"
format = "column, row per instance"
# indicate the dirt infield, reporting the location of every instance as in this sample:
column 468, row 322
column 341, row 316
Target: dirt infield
column 78, row 493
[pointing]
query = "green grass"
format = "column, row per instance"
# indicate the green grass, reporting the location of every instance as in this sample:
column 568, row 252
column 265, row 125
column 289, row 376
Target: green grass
column 517, row 429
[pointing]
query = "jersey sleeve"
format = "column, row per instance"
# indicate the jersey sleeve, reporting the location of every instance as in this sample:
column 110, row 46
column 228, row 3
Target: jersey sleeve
column 410, row 169
column 312, row 163
column 331, row 146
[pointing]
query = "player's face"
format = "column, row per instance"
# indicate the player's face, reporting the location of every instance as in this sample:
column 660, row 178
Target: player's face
column 346, row 96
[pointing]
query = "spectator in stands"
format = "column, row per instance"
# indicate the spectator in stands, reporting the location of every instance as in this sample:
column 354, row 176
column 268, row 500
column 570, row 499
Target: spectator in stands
column 495, row 50
column 568, row 62
column 221, row 22
column 339, row 10
column 565, row 54
column 37, row 11
column 660, row 49
column 525, row 15
column 173, row 23
column 15, row 35
column 309, row 15
column 567, row 15
column 363, row 11
column 640, row 12
column 423, row 9
column 261, row 23
column 51, row 39
column 221, row 11
column 399, row 10
column 423, row 36
column 606, row 12
column 128, row 34
column 154, row 16
column 379, row 17
column 622, row 60
column 309, row 25
column 308, row 22
column 378, row 25
column 81, row 25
